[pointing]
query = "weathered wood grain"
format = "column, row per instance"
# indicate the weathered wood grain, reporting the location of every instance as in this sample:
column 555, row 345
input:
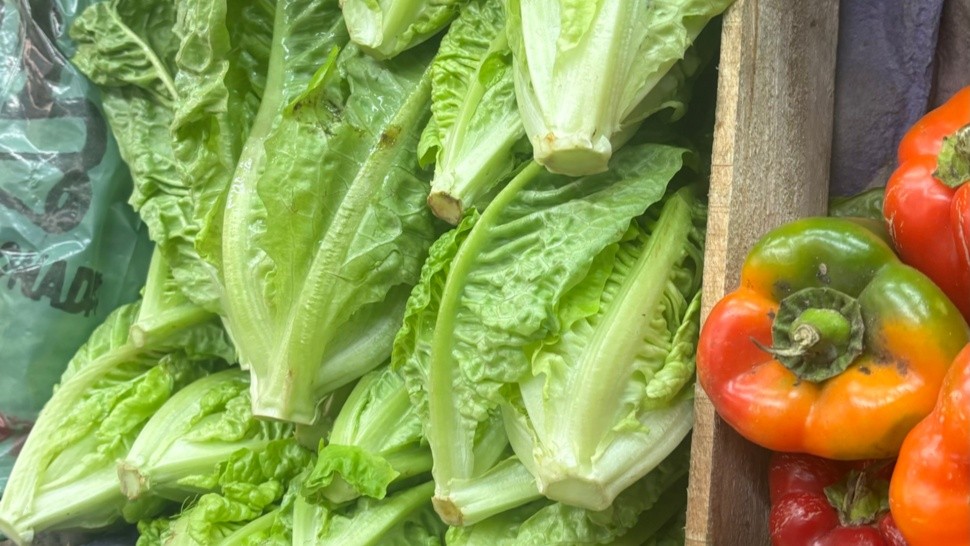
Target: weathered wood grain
column 772, row 145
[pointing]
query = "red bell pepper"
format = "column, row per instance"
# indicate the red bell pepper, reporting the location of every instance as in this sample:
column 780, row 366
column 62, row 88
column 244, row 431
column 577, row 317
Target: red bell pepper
column 930, row 491
column 927, row 203
column 822, row 502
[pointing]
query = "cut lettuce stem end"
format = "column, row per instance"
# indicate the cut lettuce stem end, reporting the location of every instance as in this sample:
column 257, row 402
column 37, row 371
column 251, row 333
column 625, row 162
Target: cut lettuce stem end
column 573, row 155
column 132, row 482
column 281, row 397
column 9, row 529
column 506, row 486
column 446, row 206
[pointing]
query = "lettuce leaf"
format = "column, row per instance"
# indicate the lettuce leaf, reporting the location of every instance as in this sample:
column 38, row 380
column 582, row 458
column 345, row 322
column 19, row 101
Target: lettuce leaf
column 582, row 68
column 385, row 28
column 174, row 92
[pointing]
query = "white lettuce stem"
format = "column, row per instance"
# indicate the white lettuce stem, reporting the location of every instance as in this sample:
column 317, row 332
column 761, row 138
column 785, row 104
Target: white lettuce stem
column 508, row 485
column 449, row 435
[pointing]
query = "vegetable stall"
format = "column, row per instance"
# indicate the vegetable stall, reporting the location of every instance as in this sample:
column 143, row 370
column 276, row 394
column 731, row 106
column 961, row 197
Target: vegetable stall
column 441, row 272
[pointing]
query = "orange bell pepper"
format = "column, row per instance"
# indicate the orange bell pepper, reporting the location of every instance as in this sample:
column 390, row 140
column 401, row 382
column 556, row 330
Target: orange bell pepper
column 831, row 346
column 929, row 494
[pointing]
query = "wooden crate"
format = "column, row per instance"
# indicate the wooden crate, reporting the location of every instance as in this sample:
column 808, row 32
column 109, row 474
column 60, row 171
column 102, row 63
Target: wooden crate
column 772, row 145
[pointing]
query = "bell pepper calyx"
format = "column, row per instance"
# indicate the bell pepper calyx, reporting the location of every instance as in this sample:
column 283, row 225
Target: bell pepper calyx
column 817, row 332
column 860, row 498
column 953, row 162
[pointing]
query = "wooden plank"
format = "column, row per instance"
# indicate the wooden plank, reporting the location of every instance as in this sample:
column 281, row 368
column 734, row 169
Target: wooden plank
column 772, row 144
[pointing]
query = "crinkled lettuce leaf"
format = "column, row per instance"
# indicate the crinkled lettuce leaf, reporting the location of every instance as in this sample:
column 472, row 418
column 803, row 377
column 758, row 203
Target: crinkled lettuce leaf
column 176, row 91
column 495, row 284
column 321, row 244
column 250, row 503
column 581, row 68
column 385, row 28
column 475, row 137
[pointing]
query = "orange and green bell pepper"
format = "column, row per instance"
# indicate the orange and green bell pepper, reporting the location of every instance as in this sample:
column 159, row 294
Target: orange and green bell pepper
column 930, row 490
column 927, row 202
column 831, row 345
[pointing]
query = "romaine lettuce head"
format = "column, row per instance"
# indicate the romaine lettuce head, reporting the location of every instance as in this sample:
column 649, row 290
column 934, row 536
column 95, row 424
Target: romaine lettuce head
column 475, row 137
column 198, row 428
column 497, row 285
column 610, row 394
column 377, row 439
column 325, row 225
column 582, row 66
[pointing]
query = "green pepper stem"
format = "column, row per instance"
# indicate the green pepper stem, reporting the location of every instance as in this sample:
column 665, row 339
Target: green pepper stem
column 817, row 332
column 861, row 497
column 953, row 161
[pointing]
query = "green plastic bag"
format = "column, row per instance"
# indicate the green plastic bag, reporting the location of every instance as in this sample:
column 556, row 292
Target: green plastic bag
column 71, row 248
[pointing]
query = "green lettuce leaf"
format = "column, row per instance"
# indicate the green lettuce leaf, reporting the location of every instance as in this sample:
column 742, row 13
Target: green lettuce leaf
column 376, row 439
column 494, row 286
column 637, row 514
column 404, row 518
column 251, row 503
column 385, row 28
column 475, row 136
column 610, row 394
column 222, row 63
column 321, row 244
column 181, row 83
column 65, row 476
column 581, row 68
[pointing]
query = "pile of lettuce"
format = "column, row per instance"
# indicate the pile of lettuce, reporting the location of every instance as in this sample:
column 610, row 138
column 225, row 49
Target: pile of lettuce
column 425, row 273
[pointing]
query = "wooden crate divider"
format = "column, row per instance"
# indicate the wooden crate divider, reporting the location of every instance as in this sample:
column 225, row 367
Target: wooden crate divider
column 772, row 145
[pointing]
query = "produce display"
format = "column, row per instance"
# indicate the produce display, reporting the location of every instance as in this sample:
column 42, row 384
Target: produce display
column 430, row 272
column 424, row 273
